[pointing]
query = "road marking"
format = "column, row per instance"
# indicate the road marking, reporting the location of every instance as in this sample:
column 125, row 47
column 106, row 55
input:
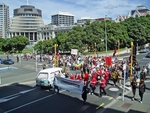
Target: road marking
column 31, row 102
column 10, row 97
column 110, row 98
column 100, row 105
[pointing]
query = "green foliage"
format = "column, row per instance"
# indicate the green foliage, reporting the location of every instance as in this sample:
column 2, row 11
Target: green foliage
column 15, row 44
column 138, row 29
column 81, row 38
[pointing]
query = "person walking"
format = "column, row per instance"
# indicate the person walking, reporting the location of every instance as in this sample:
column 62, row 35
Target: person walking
column 93, row 85
column 142, row 75
column 142, row 88
column 133, row 86
column 114, row 76
column 102, row 86
column 84, row 92
column 17, row 58
column 44, row 65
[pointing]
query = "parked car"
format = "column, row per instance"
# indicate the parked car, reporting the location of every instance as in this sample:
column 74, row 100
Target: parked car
column 8, row 61
column 1, row 61
column 148, row 55
column 144, row 50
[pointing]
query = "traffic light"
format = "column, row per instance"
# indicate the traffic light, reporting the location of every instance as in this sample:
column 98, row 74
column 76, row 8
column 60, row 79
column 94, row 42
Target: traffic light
column 134, row 50
column 134, row 53
column 57, row 49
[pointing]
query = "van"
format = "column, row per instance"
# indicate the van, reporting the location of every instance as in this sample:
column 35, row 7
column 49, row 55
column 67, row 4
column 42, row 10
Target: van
column 45, row 77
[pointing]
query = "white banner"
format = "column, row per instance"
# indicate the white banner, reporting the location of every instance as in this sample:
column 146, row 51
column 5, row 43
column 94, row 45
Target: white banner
column 74, row 86
column 74, row 51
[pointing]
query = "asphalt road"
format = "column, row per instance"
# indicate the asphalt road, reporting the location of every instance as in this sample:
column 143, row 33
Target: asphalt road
column 25, row 97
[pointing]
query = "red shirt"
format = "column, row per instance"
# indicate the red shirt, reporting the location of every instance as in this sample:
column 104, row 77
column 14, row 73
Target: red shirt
column 86, row 76
column 94, row 75
column 103, row 83
column 78, row 77
column 106, row 75
column 93, row 82
column 72, row 77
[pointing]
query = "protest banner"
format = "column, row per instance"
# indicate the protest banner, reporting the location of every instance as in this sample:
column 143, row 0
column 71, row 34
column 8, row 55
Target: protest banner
column 74, row 86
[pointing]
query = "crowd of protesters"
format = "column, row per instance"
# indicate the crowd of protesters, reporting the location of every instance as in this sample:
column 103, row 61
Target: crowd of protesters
column 95, row 72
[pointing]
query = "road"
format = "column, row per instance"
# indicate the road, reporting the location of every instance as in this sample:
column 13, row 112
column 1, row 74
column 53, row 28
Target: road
column 20, row 95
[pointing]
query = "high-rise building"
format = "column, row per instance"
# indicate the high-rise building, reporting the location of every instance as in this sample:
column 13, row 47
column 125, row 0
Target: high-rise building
column 4, row 20
column 25, row 22
column 62, row 18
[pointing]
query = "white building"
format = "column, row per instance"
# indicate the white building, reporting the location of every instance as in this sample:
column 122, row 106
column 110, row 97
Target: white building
column 62, row 18
column 4, row 20
column 49, row 31
column 25, row 22
column 83, row 20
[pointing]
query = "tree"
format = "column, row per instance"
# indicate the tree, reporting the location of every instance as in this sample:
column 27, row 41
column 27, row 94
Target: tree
column 1, row 43
column 18, row 43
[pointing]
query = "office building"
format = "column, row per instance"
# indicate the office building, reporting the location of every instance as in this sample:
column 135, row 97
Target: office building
column 4, row 20
column 62, row 18
column 25, row 22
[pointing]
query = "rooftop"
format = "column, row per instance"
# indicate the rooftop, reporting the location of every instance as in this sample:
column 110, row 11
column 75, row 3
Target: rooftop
column 63, row 13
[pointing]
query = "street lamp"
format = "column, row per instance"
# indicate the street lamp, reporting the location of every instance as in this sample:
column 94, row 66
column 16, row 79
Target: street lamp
column 105, row 34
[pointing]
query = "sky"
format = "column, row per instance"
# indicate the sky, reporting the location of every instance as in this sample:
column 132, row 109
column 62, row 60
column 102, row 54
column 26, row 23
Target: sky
column 79, row 8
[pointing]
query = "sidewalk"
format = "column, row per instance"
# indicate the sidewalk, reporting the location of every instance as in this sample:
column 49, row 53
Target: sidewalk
column 129, row 106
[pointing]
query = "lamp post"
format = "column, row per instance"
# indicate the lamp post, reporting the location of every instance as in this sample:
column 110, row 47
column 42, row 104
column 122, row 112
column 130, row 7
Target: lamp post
column 105, row 35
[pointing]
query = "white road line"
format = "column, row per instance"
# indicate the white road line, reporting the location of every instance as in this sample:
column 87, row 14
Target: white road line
column 30, row 103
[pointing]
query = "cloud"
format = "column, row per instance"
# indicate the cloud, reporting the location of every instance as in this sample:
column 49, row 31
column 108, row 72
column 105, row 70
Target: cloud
column 80, row 8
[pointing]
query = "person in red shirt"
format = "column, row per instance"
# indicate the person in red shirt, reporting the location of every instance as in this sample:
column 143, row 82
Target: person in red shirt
column 86, row 76
column 102, row 86
column 78, row 77
column 106, row 77
column 72, row 77
column 93, row 85
column 94, row 75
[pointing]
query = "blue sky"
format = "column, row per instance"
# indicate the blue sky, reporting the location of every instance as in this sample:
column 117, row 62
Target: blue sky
column 80, row 8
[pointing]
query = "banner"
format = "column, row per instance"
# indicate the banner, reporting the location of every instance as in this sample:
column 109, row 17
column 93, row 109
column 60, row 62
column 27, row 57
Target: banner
column 74, row 86
column 108, row 61
column 74, row 51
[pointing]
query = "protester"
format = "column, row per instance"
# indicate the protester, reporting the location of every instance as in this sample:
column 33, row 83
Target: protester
column 84, row 92
column 133, row 86
column 142, row 75
column 114, row 76
column 44, row 65
column 93, row 85
column 55, row 86
column 86, row 76
column 102, row 86
column 142, row 88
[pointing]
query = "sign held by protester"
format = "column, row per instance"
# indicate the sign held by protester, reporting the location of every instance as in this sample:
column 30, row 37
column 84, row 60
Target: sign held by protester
column 74, row 51
column 74, row 86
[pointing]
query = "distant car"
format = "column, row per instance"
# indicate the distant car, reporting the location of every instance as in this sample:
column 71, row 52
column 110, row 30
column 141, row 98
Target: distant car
column 148, row 55
column 144, row 50
column 1, row 61
column 8, row 62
